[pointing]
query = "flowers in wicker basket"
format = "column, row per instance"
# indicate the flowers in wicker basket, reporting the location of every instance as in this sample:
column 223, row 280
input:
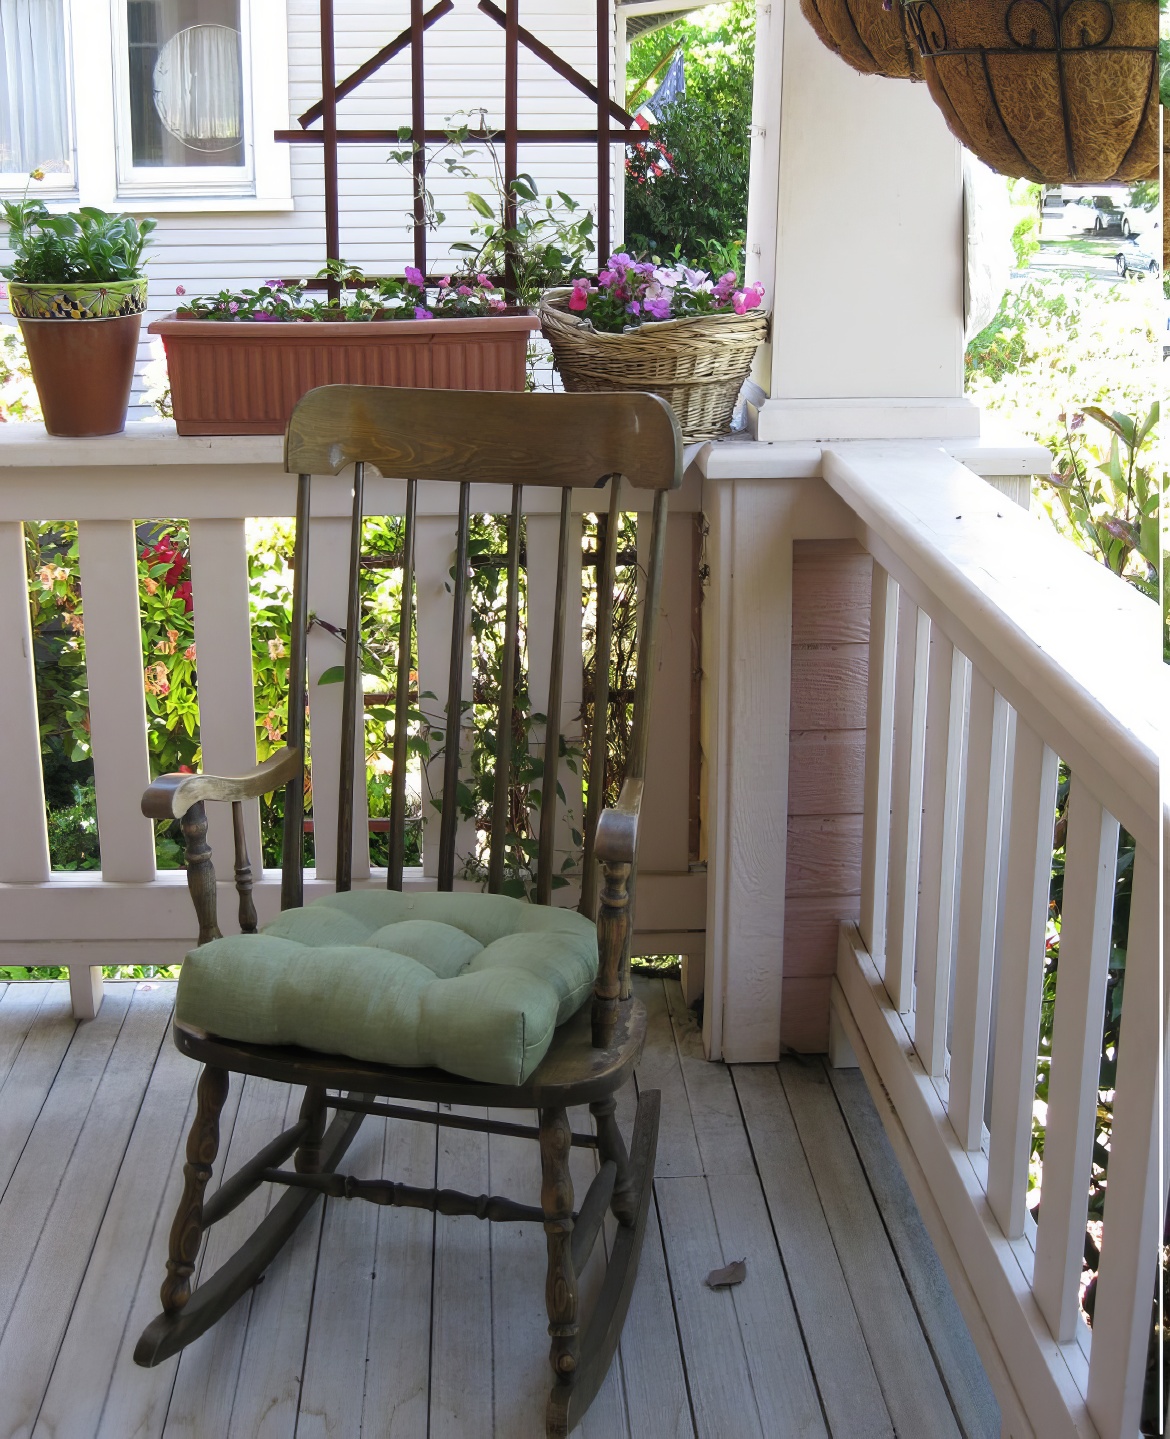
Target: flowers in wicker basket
column 629, row 293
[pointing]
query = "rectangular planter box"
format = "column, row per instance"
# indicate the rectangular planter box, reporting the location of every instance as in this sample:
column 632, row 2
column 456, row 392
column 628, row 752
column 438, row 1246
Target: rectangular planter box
column 243, row 377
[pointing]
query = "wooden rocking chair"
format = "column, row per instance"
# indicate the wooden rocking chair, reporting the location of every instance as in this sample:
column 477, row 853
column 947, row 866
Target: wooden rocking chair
column 369, row 995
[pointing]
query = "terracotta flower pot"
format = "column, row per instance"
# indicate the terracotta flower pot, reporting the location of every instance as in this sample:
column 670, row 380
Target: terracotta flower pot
column 866, row 35
column 231, row 377
column 1051, row 91
column 83, row 371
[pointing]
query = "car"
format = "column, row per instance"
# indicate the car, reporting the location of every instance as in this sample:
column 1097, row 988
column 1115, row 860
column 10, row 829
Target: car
column 1111, row 214
column 1134, row 260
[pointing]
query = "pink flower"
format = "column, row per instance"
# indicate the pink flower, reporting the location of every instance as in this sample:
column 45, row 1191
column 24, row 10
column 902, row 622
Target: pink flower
column 180, row 289
column 484, row 281
column 422, row 313
column 445, row 283
column 745, row 300
column 633, row 308
column 465, row 290
column 606, row 278
column 497, row 302
column 659, row 307
column 725, row 286
column 579, row 299
column 414, row 276
column 233, row 307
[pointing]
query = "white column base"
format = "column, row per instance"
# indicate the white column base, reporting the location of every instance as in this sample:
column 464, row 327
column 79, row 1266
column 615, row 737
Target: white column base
column 863, row 419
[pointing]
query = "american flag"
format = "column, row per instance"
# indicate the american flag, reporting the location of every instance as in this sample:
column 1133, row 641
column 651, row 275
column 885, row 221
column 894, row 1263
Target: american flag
column 672, row 87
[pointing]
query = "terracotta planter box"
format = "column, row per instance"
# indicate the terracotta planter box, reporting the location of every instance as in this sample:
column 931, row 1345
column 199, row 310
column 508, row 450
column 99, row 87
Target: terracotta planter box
column 244, row 377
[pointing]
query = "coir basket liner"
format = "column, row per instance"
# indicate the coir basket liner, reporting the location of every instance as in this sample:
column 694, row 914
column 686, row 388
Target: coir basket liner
column 697, row 365
column 868, row 35
column 1055, row 91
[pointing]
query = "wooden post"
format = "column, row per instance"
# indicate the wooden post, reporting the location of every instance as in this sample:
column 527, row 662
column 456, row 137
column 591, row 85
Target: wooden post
column 329, row 104
column 418, row 133
column 603, row 152
column 511, row 125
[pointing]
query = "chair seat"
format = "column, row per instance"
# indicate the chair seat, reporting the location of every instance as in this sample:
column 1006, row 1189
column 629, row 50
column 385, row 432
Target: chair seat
column 473, row 984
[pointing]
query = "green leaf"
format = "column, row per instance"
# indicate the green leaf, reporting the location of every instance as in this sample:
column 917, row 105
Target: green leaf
column 332, row 676
column 479, row 204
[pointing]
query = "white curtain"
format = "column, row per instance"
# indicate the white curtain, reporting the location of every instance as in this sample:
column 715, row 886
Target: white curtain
column 197, row 90
column 34, row 117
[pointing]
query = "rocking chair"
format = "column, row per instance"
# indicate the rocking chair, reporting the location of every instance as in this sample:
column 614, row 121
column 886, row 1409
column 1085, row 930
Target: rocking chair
column 446, row 997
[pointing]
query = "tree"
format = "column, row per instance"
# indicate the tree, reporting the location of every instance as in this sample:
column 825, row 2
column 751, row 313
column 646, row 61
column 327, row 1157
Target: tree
column 700, row 203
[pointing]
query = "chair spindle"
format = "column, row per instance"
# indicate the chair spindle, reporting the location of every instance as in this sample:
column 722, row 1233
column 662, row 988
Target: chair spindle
column 243, row 870
column 502, row 788
column 454, row 721
column 598, row 739
column 293, row 837
column 351, row 687
column 397, row 851
column 552, row 728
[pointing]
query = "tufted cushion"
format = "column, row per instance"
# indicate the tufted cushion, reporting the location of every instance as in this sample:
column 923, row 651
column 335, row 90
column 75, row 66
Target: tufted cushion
column 472, row 983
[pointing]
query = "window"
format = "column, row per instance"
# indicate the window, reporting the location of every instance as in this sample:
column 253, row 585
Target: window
column 183, row 99
column 35, row 112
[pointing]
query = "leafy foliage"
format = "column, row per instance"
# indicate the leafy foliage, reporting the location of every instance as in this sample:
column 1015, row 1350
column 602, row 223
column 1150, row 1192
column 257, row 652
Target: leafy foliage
column 702, row 198
column 87, row 246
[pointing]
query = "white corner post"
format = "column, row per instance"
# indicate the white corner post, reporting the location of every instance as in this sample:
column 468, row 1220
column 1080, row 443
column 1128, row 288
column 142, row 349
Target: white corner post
column 855, row 227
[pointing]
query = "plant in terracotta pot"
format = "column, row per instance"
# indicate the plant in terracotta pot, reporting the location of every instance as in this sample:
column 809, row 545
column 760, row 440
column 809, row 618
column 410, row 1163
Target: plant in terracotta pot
column 1055, row 91
column 239, row 361
column 669, row 329
column 76, row 287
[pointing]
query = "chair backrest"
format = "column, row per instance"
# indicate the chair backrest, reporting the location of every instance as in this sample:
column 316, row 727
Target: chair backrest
column 543, row 440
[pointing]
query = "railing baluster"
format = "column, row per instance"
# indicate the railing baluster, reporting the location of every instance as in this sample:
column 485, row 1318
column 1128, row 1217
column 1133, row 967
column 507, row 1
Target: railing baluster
column 453, row 727
column 906, row 800
column 292, row 878
column 599, row 735
column 24, row 835
column 352, row 707
column 117, row 696
column 975, row 957
column 946, row 708
column 501, row 793
column 1090, row 872
column 243, row 869
column 397, row 839
column 1021, row 980
column 223, row 648
column 1135, row 1201
column 879, row 732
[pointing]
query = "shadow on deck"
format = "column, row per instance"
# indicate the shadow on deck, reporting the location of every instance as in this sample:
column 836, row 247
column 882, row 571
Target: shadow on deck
column 390, row 1324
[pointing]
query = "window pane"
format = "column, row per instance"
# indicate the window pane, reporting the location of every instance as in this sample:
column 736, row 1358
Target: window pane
column 186, row 94
column 34, row 115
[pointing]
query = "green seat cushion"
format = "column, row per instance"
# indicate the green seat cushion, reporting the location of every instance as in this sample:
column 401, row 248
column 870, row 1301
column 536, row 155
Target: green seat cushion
column 471, row 983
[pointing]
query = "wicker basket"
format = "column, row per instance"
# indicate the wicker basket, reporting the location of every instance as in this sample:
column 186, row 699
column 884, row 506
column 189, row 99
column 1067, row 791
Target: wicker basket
column 866, row 35
column 697, row 365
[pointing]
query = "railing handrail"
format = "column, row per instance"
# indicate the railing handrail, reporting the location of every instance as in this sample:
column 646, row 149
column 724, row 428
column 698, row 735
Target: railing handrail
column 1070, row 647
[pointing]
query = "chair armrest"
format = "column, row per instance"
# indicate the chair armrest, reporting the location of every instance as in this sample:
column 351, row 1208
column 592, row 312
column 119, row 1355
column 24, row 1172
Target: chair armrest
column 172, row 795
column 615, row 845
column 616, row 840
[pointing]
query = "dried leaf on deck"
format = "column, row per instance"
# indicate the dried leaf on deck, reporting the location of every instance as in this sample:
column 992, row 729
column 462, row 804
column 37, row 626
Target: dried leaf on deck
column 730, row 1274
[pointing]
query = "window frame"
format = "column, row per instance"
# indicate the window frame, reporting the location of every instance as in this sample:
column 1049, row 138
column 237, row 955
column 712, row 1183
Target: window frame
column 148, row 181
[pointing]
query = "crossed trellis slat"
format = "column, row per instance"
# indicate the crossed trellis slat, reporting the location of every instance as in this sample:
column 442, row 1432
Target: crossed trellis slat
column 603, row 136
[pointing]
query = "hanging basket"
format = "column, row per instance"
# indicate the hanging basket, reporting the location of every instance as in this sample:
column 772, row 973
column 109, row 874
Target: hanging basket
column 1051, row 91
column 867, row 36
column 697, row 365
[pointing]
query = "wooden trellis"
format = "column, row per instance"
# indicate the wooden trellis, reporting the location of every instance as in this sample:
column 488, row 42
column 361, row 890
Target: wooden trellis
column 603, row 137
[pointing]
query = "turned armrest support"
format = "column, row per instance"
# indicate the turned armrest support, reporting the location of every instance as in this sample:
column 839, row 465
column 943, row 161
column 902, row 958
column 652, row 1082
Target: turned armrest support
column 615, row 846
column 182, row 797
column 172, row 795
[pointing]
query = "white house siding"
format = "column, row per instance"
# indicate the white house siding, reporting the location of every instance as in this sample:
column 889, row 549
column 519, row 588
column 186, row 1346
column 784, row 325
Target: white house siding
column 209, row 250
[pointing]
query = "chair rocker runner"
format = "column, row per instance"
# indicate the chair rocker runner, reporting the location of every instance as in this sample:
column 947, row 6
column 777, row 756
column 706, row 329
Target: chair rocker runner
column 451, row 998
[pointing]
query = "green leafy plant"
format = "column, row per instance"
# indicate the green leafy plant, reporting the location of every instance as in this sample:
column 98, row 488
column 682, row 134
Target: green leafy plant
column 699, row 196
column 88, row 246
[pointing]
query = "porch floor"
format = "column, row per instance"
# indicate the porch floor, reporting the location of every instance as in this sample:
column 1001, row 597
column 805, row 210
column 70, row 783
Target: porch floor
column 385, row 1324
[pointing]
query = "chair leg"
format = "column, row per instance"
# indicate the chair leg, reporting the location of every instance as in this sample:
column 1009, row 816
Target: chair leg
column 187, row 1229
column 308, row 1155
column 556, row 1199
column 611, row 1145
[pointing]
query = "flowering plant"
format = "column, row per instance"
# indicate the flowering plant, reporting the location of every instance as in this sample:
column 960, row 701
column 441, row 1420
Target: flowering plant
column 629, row 293
column 362, row 298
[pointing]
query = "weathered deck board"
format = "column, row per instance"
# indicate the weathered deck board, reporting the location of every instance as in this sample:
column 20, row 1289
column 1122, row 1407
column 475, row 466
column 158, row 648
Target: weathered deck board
column 388, row 1322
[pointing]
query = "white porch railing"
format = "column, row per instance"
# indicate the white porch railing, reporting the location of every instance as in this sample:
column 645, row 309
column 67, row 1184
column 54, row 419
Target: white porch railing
column 995, row 650
column 132, row 913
